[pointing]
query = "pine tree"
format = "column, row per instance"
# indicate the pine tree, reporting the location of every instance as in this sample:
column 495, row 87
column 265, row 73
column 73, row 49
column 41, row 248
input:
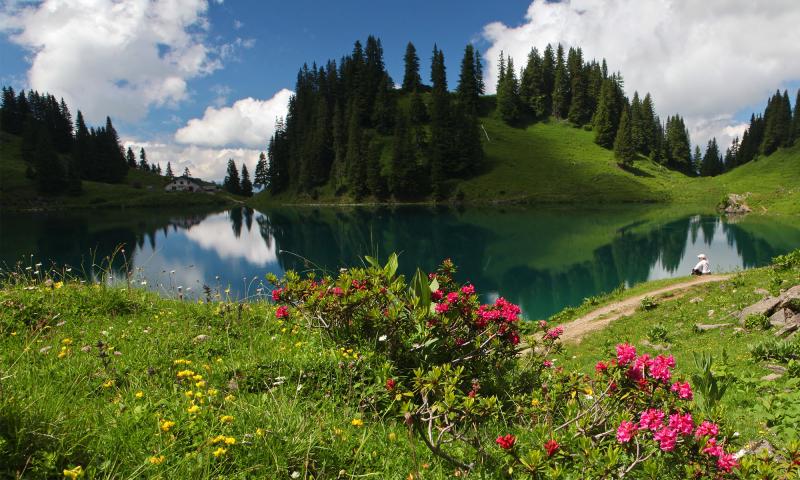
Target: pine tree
column 187, row 173
column 796, row 119
column 481, row 87
column 712, row 161
column 467, row 90
column 624, row 150
column 532, row 85
column 232, row 183
column 580, row 105
column 697, row 160
column 169, row 173
column 375, row 181
column 246, row 186
column 561, row 93
column 777, row 123
column 411, row 79
column 50, row 173
column 508, row 101
column 143, row 165
column 260, row 178
column 441, row 135
column 605, row 130
column 158, row 169
column 8, row 111
column 501, row 70
column 131, row 158
column 385, row 106
column 548, row 79
column 650, row 125
column 638, row 125
column 678, row 145
column 81, row 147
column 417, row 109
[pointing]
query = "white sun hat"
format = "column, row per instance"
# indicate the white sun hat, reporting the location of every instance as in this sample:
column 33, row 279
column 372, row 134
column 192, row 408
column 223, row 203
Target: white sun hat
column 702, row 256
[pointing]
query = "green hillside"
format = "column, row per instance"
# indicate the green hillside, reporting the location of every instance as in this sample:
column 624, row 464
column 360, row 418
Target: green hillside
column 553, row 162
column 140, row 189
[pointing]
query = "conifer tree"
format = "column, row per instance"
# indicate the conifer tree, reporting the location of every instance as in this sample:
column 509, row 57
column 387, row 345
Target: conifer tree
column 481, row 87
column 605, row 131
column 375, row 181
column 561, row 94
column 169, row 173
column 143, row 165
column 712, row 161
column 468, row 90
column 246, row 186
column 158, row 169
column 638, row 125
column 80, row 148
column 548, row 78
column 532, row 89
column 417, row 109
column 650, row 125
column 403, row 161
column 580, row 103
column 508, row 101
column 796, row 118
column 697, row 160
column 411, row 79
column 50, row 173
column 353, row 156
column 186, row 172
column 624, row 151
column 8, row 111
column 260, row 178
column 678, row 146
column 232, row 182
column 384, row 112
column 440, row 123
column 131, row 158
column 501, row 70
column 777, row 123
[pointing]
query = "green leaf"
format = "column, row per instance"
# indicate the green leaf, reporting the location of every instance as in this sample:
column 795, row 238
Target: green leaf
column 372, row 261
column 391, row 266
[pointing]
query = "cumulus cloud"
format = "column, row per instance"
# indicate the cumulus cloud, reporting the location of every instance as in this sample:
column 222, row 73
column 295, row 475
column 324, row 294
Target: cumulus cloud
column 706, row 60
column 203, row 162
column 110, row 57
column 249, row 122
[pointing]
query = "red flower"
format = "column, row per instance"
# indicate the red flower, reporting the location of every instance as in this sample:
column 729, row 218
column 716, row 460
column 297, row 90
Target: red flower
column 337, row 291
column 600, row 367
column 551, row 446
column 468, row 289
column 276, row 294
column 390, row 384
column 506, row 442
column 282, row 312
column 437, row 295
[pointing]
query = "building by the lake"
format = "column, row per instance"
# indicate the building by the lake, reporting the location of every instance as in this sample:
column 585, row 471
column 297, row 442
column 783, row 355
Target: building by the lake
column 189, row 184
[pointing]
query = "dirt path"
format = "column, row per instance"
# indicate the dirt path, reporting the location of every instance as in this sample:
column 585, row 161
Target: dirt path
column 600, row 318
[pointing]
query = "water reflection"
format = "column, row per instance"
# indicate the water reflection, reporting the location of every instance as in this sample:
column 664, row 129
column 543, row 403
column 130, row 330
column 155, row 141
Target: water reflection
column 543, row 260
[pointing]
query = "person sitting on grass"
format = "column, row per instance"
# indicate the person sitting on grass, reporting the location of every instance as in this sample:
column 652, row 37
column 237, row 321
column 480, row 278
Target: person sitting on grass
column 702, row 267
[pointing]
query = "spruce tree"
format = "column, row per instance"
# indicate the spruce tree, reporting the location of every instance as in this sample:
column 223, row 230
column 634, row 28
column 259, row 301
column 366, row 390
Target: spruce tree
column 354, row 156
column 260, row 178
column 411, row 79
column 8, row 111
column 50, row 173
column 81, row 147
column 796, row 119
column 169, row 173
column 532, row 85
column 678, row 146
column 131, row 158
column 384, row 112
column 508, row 101
column 561, row 93
column 580, row 103
column 712, row 161
column 639, row 125
column 697, row 160
column 501, row 70
column 624, row 150
column 232, row 183
column 441, row 135
column 417, row 109
column 467, row 90
column 548, row 79
column 143, row 165
column 375, row 181
column 605, row 131
column 187, row 173
column 481, row 87
column 246, row 186
column 403, row 161
column 650, row 125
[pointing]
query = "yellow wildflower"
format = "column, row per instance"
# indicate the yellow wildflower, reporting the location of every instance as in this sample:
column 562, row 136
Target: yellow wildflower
column 108, row 384
column 218, row 360
column 226, row 418
column 157, row 460
column 217, row 439
column 392, row 436
column 73, row 473
column 357, row 422
column 337, row 431
column 200, row 384
column 166, row 425
column 185, row 373
column 189, row 394
column 212, row 391
column 230, row 398
column 58, row 285
column 13, row 334
column 181, row 361
column 219, row 452
column 197, row 378
column 230, row 441
column 63, row 353
column 139, row 394
column 66, row 341
column 298, row 344
column 259, row 432
column 193, row 409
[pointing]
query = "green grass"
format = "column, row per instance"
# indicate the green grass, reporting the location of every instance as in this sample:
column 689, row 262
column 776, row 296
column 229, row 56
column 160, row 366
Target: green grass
column 140, row 189
column 554, row 162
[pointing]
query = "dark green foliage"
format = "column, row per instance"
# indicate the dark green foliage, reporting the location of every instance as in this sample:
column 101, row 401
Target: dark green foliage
column 580, row 108
column 130, row 157
column 508, row 98
column 638, row 125
column 479, row 83
column 143, row 165
column 169, row 173
column 777, row 123
column 50, row 171
column 376, row 183
column 605, row 126
column 384, row 113
column 246, row 186
column 650, row 127
column 411, row 79
column 260, row 178
column 697, row 159
column 278, row 151
column 624, row 150
column 679, row 153
column 532, row 89
column 712, row 161
column 232, row 183
column 561, row 86
column 752, row 138
column 468, row 89
column 403, row 166
column 417, row 109
column 796, row 118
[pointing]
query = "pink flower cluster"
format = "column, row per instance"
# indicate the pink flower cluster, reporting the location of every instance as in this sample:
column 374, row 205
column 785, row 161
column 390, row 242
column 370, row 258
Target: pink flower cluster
column 276, row 294
column 626, row 353
column 706, row 429
column 281, row 312
column 652, row 419
column 682, row 424
column 502, row 311
column 725, row 461
column 626, row 431
column 554, row 333
column 666, row 438
column 683, row 390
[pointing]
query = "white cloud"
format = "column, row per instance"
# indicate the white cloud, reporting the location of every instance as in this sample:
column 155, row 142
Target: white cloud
column 215, row 233
column 203, row 162
column 249, row 122
column 113, row 58
column 705, row 60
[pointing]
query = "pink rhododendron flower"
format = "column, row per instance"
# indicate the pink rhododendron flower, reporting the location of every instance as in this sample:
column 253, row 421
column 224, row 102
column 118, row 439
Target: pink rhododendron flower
column 706, row 429
column 660, row 368
column 337, row 291
column 683, row 424
column 683, row 390
column 712, row 448
column 626, row 431
column 437, row 295
column 452, row 297
column 666, row 438
column 554, row 333
column 276, row 294
column 726, row 462
column 442, row 307
column 390, row 384
column 547, row 363
column 282, row 312
column 652, row 419
column 468, row 289
column 625, row 353
column 513, row 338
column 551, row 446
column 506, row 442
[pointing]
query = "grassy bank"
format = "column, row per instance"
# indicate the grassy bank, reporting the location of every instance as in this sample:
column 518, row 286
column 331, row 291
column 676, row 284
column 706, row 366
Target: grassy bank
column 124, row 383
column 140, row 189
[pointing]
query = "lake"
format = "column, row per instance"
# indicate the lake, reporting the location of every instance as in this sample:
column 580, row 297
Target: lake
column 543, row 260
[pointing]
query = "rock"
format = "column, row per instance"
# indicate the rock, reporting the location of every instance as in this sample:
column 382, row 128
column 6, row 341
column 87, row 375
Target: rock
column 771, row 377
column 779, row 369
column 761, row 291
column 696, row 300
column 201, row 338
column 735, row 204
column 705, row 327
column 655, row 346
column 766, row 307
column 790, row 327
column 778, row 319
column 710, row 313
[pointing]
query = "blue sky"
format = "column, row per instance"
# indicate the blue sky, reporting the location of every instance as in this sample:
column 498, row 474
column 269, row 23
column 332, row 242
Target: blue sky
column 198, row 81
